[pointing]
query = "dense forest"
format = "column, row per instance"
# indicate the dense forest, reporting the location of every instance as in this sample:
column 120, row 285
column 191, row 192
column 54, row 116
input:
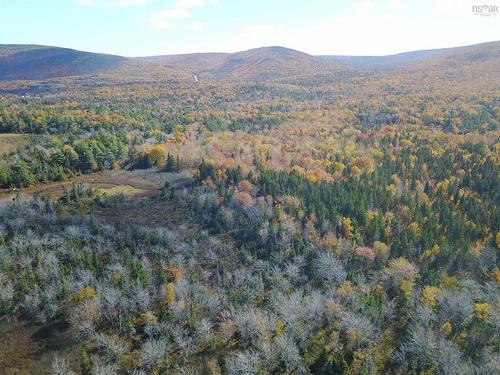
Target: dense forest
column 336, row 221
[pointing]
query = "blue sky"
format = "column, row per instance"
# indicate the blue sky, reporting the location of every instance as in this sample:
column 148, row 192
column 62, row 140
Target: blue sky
column 153, row 27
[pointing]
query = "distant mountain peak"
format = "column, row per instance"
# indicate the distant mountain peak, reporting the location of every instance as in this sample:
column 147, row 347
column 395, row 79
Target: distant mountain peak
column 19, row 61
column 275, row 49
column 263, row 63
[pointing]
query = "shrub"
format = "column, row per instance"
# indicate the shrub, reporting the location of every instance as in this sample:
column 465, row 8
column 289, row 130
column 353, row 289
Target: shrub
column 455, row 306
column 365, row 253
column 446, row 328
column 243, row 363
column 84, row 294
column 254, row 325
column 21, row 174
column 482, row 311
column 429, row 295
column 153, row 353
column 100, row 367
column 112, row 347
column 329, row 268
column 157, row 155
column 347, row 227
column 169, row 294
column 380, row 248
column 419, row 351
column 60, row 366
column 403, row 274
column 288, row 353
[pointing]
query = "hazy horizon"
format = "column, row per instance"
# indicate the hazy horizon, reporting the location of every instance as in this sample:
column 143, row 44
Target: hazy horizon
column 253, row 48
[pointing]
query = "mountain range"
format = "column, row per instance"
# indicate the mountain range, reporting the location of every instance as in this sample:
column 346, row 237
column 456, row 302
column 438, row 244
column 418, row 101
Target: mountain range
column 36, row 62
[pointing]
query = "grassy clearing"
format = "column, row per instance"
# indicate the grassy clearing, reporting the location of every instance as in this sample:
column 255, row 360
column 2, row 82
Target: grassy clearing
column 146, row 183
column 126, row 190
column 12, row 142
column 27, row 348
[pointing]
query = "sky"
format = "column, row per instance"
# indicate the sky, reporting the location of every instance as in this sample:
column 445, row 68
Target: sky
column 319, row 27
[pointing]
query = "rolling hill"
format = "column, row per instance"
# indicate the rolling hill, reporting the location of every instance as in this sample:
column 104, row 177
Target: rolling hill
column 270, row 63
column 261, row 64
column 444, row 56
column 265, row 63
column 194, row 62
column 41, row 62
column 9, row 49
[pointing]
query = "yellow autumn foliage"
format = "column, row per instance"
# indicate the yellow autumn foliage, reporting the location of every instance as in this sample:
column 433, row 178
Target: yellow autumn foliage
column 495, row 275
column 157, row 155
column 380, row 248
column 347, row 228
column 84, row 294
column 449, row 282
column 279, row 327
column 429, row 295
column 345, row 289
column 446, row 328
column 482, row 311
column 169, row 294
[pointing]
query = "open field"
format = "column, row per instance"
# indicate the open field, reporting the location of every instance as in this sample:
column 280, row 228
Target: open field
column 29, row 348
column 138, row 182
column 12, row 142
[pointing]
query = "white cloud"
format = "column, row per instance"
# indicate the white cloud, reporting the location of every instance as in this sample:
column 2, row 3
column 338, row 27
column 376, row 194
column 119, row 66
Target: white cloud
column 397, row 26
column 376, row 27
column 197, row 26
column 168, row 19
column 364, row 6
column 194, row 3
column 111, row 3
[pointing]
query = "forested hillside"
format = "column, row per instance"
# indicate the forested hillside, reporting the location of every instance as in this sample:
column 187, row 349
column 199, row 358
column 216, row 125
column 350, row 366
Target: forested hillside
column 297, row 215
